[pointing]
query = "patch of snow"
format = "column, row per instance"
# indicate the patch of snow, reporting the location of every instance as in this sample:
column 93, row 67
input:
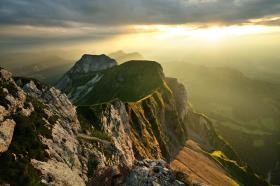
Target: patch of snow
column 81, row 91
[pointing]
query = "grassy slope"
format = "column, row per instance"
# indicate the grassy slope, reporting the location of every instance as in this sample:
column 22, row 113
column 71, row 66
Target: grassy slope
column 244, row 175
column 129, row 82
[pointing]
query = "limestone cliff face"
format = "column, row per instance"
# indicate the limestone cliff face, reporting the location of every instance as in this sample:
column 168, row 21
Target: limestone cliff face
column 10, row 102
column 149, row 128
column 38, row 141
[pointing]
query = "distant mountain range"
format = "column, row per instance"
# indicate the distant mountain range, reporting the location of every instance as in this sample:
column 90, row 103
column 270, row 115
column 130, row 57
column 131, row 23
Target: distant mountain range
column 122, row 56
column 45, row 67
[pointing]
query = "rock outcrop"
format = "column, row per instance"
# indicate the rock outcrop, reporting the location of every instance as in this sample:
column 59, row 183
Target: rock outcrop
column 12, row 100
column 145, row 172
column 152, row 172
column 38, row 130
column 6, row 133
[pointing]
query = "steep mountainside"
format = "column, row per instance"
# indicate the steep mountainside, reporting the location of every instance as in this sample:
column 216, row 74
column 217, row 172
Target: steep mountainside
column 116, row 140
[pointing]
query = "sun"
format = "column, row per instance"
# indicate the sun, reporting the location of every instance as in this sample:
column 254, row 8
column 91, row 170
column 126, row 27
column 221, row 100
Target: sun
column 170, row 31
column 212, row 34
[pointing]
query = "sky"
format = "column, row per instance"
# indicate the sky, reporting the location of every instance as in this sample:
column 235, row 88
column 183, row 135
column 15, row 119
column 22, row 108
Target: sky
column 152, row 27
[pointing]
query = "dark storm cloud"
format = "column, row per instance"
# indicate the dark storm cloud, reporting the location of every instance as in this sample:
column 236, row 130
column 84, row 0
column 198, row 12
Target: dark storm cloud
column 17, row 37
column 123, row 12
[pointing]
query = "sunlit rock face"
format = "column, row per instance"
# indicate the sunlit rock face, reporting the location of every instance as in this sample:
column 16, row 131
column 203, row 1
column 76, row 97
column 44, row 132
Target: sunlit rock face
column 116, row 125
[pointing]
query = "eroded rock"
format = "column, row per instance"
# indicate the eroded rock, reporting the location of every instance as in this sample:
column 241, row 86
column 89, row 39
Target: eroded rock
column 57, row 173
column 152, row 172
column 6, row 134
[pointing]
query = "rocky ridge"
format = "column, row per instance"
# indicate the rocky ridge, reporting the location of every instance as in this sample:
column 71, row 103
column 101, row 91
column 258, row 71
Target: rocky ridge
column 41, row 134
column 52, row 142
column 42, row 125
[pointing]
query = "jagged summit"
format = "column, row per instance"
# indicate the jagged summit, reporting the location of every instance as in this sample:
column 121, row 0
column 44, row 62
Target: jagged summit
column 87, row 64
column 92, row 63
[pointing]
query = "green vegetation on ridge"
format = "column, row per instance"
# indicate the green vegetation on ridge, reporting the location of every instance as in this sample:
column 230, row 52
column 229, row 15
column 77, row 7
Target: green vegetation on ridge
column 244, row 175
column 129, row 82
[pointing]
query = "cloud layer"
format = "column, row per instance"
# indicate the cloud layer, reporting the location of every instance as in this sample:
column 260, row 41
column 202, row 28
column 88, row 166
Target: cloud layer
column 27, row 23
column 124, row 12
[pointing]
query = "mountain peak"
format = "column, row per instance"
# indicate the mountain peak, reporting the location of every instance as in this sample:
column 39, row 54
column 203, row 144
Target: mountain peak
column 93, row 63
column 87, row 64
column 92, row 56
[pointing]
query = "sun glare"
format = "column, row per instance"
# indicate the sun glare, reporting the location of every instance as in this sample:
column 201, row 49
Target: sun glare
column 211, row 34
